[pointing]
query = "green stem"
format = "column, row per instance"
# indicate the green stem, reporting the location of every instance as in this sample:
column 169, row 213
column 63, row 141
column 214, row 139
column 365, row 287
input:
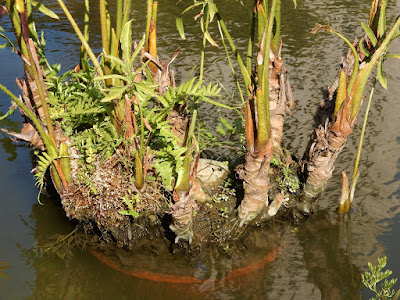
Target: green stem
column 357, row 162
column 148, row 22
column 82, row 38
column 31, row 25
column 15, row 19
column 35, row 73
column 277, row 33
column 105, row 37
column 203, row 49
column 127, row 9
column 245, row 74
column 118, row 26
column 46, row 139
column 184, row 183
column 249, row 57
column 85, row 30
column 230, row 64
column 263, row 113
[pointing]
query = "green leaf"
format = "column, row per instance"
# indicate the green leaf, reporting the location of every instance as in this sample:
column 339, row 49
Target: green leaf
column 113, row 76
column 211, row 10
column 226, row 123
column 363, row 49
column 115, row 59
column 392, row 56
column 193, row 6
column 129, row 213
column 370, row 34
column 44, row 10
column 210, row 39
column 179, row 26
column 220, row 129
column 115, row 93
column 380, row 76
column 7, row 39
column 147, row 89
column 138, row 48
column 126, row 40
column 10, row 111
column 208, row 100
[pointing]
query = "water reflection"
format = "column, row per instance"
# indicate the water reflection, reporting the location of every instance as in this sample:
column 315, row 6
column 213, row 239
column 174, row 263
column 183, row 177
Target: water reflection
column 327, row 250
column 324, row 247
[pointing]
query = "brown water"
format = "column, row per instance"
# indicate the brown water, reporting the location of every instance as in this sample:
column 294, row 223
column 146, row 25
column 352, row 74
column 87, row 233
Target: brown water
column 321, row 259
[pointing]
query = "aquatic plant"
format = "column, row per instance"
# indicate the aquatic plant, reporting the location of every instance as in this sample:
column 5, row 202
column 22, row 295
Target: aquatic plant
column 328, row 143
column 119, row 132
column 372, row 280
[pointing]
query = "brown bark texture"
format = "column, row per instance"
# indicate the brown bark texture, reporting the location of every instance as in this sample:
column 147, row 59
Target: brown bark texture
column 326, row 143
column 255, row 173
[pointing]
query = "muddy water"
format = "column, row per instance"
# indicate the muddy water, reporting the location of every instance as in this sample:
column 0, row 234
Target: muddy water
column 321, row 259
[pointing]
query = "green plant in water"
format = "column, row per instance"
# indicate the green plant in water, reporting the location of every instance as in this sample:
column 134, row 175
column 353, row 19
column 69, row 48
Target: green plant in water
column 372, row 279
column 371, row 51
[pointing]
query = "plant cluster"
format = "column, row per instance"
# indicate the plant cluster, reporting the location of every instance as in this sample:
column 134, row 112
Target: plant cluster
column 372, row 280
column 122, row 113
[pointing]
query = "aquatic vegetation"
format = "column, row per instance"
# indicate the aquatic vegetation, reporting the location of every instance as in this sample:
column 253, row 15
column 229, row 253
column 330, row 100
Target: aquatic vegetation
column 123, row 140
column 372, row 280
column 329, row 143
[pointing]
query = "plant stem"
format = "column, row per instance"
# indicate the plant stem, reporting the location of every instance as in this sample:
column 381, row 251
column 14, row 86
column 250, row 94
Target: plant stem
column 46, row 139
column 360, row 144
column 15, row 19
column 35, row 72
column 245, row 74
column 119, row 24
column 105, row 37
column 148, row 22
column 31, row 25
column 277, row 33
column 127, row 9
column 203, row 49
column 230, row 64
column 249, row 57
column 85, row 31
column 263, row 113
column 82, row 38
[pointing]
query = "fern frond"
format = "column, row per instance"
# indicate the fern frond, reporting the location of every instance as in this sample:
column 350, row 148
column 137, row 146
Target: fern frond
column 44, row 161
